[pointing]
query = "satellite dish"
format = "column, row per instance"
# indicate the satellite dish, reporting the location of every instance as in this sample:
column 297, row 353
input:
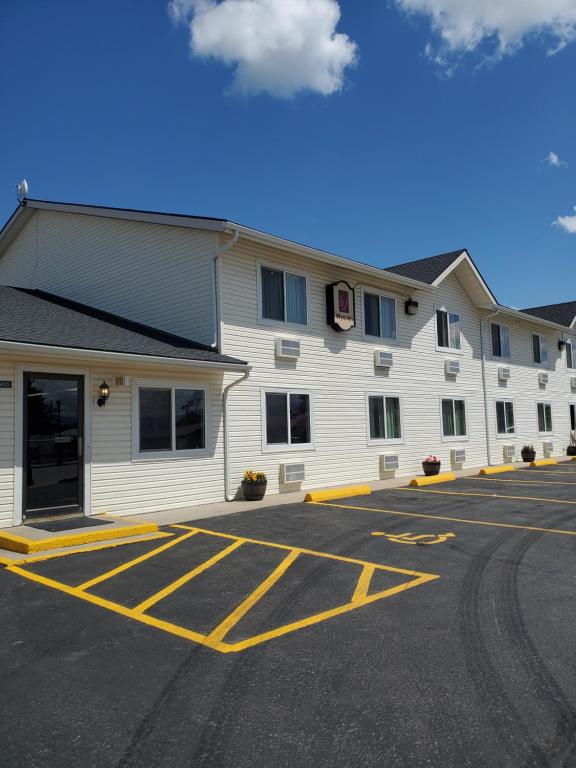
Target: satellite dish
column 22, row 190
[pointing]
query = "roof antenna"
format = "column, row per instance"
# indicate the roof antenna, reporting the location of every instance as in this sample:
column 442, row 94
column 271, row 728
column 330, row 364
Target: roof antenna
column 22, row 191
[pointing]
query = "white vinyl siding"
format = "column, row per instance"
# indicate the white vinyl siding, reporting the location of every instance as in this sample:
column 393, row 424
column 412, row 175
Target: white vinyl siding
column 7, row 457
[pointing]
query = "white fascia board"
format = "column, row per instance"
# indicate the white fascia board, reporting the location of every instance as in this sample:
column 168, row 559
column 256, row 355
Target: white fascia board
column 328, row 258
column 526, row 318
column 465, row 256
column 13, row 226
column 42, row 350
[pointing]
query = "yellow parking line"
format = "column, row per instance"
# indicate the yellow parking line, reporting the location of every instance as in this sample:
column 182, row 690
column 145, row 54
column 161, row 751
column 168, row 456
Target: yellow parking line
column 487, row 495
column 424, row 516
column 363, row 585
column 545, row 472
column 135, row 561
column 153, row 599
column 233, row 618
column 522, row 482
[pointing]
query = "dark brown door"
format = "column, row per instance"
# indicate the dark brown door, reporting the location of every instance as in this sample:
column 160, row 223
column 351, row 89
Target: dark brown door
column 53, row 444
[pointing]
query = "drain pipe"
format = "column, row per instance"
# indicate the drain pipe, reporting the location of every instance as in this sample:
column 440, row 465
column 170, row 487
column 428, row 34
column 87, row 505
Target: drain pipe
column 216, row 288
column 484, row 385
column 227, row 495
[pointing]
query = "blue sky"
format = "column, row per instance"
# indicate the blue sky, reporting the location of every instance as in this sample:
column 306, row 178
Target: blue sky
column 411, row 137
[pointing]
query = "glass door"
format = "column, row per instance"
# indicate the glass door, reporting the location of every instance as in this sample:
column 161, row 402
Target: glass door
column 53, row 444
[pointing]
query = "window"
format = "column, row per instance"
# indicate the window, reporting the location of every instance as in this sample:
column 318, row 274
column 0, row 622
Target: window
column 573, row 417
column 171, row 420
column 500, row 341
column 384, row 417
column 570, row 355
column 544, row 418
column 454, row 418
column 283, row 296
column 379, row 316
column 448, row 329
column 288, row 419
column 505, row 424
column 539, row 349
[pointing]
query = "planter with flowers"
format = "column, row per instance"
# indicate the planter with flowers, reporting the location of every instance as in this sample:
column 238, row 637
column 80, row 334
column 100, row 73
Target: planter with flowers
column 528, row 453
column 254, row 485
column 431, row 465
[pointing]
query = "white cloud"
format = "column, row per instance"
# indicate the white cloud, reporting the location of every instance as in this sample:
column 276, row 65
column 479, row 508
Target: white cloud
column 567, row 223
column 275, row 46
column 499, row 26
column 554, row 160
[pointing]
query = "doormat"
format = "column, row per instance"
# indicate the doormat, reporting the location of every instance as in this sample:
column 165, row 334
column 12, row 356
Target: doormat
column 69, row 524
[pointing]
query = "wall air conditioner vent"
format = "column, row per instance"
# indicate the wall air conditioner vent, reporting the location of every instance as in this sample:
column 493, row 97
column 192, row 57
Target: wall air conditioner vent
column 383, row 359
column 548, row 448
column 504, row 374
column 389, row 462
column 287, row 349
column 458, row 456
column 451, row 367
column 573, row 383
column 509, row 452
column 292, row 473
column 542, row 378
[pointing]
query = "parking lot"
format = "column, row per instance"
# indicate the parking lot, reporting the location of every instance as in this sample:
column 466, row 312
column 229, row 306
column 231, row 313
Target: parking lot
column 412, row 627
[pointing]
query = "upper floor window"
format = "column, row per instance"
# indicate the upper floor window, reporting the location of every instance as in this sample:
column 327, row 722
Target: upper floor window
column 454, row 418
column 284, row 296
column 384, row 418
column 500, row 340
column 570, row 355
column 539, row 349
column 170, row 420
column 505, row 417
column 544, row 418
column 288, row 417
column 379, row 316
column 448, row 329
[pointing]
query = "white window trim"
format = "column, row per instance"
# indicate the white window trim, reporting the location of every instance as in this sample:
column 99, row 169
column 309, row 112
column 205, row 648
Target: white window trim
column 450, row 350
column 545, row 434
column 173, row 455
column 379, row 440
column 387, row 295
column 281, row 268
column 572, row 344
column 545, row 364
column 286, row 447
column 505, row 435
column 454, row 438
column 501, row 357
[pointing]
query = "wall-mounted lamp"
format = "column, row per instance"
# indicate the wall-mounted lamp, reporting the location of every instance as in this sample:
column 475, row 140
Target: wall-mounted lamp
column 411, row 307
column 103, row 394
column 561, row 345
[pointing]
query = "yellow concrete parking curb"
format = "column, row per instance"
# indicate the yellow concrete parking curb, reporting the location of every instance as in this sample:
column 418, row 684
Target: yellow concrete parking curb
column 497, row 470
column 338, row 493
column 444, row 477
column 543, row 462
column 24, row 545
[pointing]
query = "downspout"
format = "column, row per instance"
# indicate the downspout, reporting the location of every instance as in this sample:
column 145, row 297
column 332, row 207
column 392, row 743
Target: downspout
column 484, row 385
column 215, row 288
column 227, row 495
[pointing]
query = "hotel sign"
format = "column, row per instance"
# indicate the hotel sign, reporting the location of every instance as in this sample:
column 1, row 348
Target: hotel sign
column 340, row 309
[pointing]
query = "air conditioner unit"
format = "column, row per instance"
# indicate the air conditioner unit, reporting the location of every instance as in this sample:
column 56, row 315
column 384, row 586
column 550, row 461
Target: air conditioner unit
column 388, row 462
column 288, row 349
column 292, row 473
column 504, row 374
column 452, row 367
column 548, row 448
column 383, row 359
column 573, row 382
column 542, row 378
column 458, row 456
column 509, row 452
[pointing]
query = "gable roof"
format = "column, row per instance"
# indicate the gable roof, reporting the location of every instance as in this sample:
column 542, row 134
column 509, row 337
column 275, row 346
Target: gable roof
column 563, row 314
column 39, row 318
column 426, row 270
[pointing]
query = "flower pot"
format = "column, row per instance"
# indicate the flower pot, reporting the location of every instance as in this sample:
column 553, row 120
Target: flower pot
column 571, row 450
column 431, row 468
column 528, row 455
column 254, row 490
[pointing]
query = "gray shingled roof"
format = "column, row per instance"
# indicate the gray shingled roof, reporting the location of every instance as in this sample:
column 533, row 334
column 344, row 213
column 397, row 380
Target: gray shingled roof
column 563, row 314
column 426, row 270
column 36, row 317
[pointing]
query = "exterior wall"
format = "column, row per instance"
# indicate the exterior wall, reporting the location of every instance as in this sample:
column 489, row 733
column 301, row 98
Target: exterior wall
column 525, row 391
column 153, row 274
column 121, row 484
column 338, row 369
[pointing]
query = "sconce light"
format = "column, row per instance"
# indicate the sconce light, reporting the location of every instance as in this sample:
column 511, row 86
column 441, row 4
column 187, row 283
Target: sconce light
column 561, row 345
column 411, row 307
column 103, row 394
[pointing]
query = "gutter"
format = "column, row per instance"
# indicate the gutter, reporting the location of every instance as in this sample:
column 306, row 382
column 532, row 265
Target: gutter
column 227, row 494
column 216, row 287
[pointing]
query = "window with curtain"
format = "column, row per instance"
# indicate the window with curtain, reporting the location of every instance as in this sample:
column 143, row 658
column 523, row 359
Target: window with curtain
column 288, row 418
column 505, row 424
column 448, row 329
column 171, row 419
column 570, row 361
column 384, row 417
column 283, row 296
column 379, row 316
column 544, row 418
column 539, row 349
column 500, row 341
column 454, row 418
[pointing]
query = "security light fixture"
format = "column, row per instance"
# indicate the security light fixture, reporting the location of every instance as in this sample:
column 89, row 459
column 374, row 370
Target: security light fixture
column 411, row 307
column 103, row 394
column 561, row 344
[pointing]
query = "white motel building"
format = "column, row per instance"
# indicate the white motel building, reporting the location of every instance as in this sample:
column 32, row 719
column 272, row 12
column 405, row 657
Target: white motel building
column 148, row 359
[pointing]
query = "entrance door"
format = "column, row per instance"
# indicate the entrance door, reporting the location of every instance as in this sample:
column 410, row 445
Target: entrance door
column 53, row 465
column 573, row 418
